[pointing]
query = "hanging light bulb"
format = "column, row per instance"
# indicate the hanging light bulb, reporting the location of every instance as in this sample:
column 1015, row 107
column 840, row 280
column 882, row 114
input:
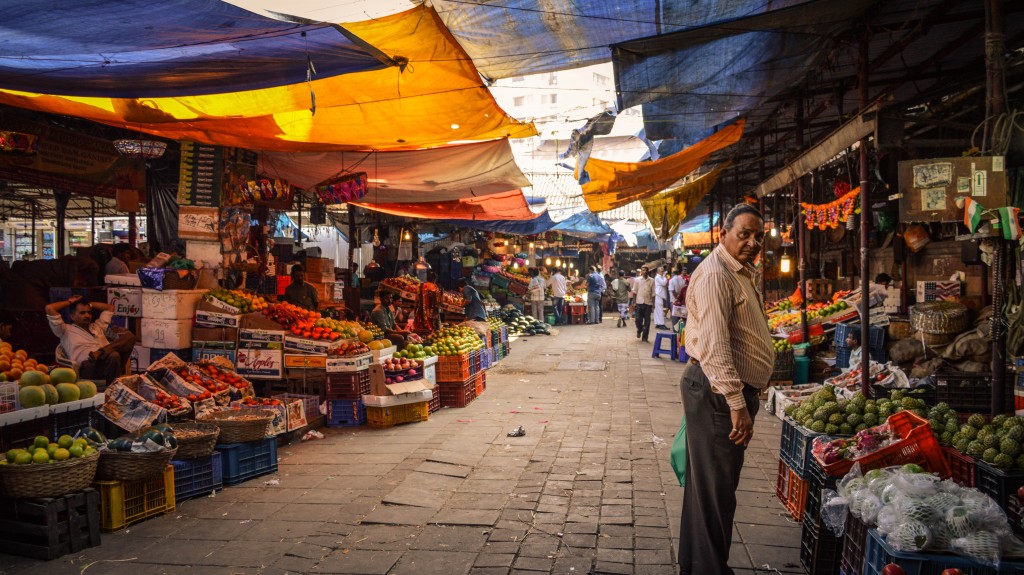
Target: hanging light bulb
column 558, row 262
column 571, row 265
column 531, row 245
column 515, row 265
column 785, row 265
column 774, row 232
column 407, row 236
column 547, row 261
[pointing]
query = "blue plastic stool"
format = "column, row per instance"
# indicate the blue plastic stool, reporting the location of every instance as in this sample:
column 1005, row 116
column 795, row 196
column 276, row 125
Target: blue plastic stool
column 683, row 356
column 673, row 342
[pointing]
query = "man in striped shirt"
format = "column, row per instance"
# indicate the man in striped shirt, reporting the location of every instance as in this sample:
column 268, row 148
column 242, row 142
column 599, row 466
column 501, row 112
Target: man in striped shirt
column 728, row 338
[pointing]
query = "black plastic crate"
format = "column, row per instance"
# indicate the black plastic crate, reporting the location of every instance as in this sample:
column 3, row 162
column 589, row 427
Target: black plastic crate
column 795, row 447
column 23, row 433
column 348, row 385
column 820, row 550
column 1015, row 515
column 70, row 422
column 48, row 528
column 999, row 484
column 817, row 481
column 855, row 540
column 971, row 392
column 925, row 392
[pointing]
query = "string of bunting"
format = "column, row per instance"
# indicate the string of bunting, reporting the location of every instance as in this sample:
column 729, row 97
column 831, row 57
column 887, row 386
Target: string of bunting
column 832, row 214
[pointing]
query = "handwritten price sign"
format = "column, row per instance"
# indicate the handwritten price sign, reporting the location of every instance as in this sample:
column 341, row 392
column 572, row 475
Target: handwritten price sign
column 196, row 223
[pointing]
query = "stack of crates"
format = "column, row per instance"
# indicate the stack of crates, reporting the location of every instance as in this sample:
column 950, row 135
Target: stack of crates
column 244, row 461
column 345, row 391
column 47, row 528
column 577, row 314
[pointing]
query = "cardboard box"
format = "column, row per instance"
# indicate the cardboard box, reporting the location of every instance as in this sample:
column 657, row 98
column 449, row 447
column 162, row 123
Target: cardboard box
column 305, row 361
column 140, row 359
column 380, row 355
column 296, row 411
column 206, row 353
column 124, row 280
column 292, row 343
column 215, row 334
column 338, row 364
column 215, row 304
column 208, row 315
column 127, row 301
column 171, row 304
column 319, row 265
column 378, row 386
column 393, row 400
column 260, row 363
column 166, row 333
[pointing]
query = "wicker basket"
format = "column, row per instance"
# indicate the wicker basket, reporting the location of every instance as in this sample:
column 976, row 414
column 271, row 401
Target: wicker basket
column 939, row 317
column 240, row 426
column 195, row 440
column 899, row 329
column 129, row 465
column 932, row 339
column 49, row 480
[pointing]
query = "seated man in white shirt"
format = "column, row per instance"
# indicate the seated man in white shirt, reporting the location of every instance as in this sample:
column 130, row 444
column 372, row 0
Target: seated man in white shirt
column 85, row 342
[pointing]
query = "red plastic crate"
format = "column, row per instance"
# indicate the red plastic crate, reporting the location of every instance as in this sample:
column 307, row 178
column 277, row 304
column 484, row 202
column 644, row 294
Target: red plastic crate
column 435, row 400
column 348, row 385
column 481, row 383
column 782, row 482
column 282, row 283
column 458, row 394
column 577, row 310
column 961, row 467
column 917, row 445
column 577, row 319
column 796, row 496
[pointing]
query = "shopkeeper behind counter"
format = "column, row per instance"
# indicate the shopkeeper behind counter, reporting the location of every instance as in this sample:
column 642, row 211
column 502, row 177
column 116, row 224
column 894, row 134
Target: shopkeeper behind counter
column 301, row 293
column 383, row 316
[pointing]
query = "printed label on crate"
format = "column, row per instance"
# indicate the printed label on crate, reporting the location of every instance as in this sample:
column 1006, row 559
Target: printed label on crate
column 216, row 319
column 260, row 363
column 296, row 414
column 338, row 364
column 305, row 361
column 260, row 335
column 205, row 353
column 127, row 301
column 293, row 343
column 210, row 301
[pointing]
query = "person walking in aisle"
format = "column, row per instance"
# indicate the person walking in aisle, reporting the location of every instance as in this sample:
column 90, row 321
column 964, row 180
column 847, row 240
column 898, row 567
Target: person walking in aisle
column 660, row 298
column 644, row 289
column 677, row 294
column 620, row 294
column 595, row 287
column 557, row 284
column 536, row 291
column 732, row 355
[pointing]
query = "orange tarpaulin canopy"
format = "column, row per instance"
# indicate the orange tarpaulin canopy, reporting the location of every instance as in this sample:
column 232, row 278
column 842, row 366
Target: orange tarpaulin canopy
column 436, row 98
column 668, row 208
column 615, row 184
column 502, row 206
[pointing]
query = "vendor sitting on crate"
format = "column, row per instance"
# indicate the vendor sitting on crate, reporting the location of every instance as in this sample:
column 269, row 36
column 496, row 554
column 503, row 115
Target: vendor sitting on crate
column 853, row 342
column 383, row 316
column 84, row 342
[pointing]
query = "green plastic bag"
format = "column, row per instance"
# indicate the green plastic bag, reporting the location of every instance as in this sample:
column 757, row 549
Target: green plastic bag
column 677, row 455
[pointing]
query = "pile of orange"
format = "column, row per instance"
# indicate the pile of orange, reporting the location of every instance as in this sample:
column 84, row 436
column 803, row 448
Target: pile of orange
column 15, row 363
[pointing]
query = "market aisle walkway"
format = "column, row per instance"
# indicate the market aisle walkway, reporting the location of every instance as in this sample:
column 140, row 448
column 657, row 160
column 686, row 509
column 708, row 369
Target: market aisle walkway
column 589, row 488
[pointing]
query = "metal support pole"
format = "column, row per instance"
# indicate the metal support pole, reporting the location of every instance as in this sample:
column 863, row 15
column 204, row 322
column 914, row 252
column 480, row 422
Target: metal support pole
column 775, row 222
column 865, row 222
column 92, row 223
column 133, row 229
column 801, row 229
column 995, row 105
column 351, row 235
column 298, row 233
column 34, row 254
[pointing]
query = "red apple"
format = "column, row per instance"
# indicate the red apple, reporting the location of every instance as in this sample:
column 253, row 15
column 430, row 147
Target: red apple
column 399, row 379
column 893, row 569
column 952, row 571
column 1020, row 492
column 412, row 372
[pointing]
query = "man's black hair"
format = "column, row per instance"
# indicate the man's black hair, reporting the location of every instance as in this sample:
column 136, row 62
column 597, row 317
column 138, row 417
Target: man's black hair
column 77, row 304
column 739, row 210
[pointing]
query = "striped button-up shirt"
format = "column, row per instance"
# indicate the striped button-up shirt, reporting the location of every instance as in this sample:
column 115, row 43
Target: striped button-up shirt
column 727, row 330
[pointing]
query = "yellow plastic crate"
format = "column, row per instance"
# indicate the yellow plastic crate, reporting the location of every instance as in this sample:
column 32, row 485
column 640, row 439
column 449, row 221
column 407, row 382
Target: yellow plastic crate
column 125, row 502
column 398, row 414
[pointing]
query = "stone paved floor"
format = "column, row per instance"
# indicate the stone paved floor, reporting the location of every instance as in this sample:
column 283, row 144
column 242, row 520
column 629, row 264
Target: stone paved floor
column 589, row 488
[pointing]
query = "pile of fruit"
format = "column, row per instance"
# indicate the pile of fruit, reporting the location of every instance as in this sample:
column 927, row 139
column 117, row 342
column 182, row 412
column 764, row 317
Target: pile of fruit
column 402, row 366
column 170, row 402
column 157, row 438
column 59, row 386
column 522, row 324
column 865, row 442
column 996, row 442
column 495, row 323
column 782, row 345
column 405, row 283
column 259, row 402
column 786, row 319
column 196, row 379
column 43, row 450
column 454, row 340
column 288, row 315
column 245, row 302
column 350, row 348
column 823, row 412
column 453, row 299
column 223, row 378
column 415, row 351
column 375, row 331
column 15, row 363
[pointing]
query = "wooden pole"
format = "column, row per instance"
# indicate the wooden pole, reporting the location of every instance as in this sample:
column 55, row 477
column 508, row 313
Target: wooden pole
column 865, row 221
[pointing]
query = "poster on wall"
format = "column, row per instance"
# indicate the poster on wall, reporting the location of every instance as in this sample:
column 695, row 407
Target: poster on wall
column 196, row 223
column 930, row 188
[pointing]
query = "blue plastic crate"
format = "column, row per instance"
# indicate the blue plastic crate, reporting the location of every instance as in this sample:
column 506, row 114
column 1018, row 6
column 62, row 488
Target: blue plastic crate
column 876, row 340
column 843, row 356
column 879, row 554
column 198, row 477
column 343, row 413
column 243, row 461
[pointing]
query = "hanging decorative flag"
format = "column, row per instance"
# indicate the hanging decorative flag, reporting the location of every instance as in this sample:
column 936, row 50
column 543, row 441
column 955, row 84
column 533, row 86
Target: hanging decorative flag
column 344, row 189
column 832, row 214
column 1009, row 223
column 972, row 214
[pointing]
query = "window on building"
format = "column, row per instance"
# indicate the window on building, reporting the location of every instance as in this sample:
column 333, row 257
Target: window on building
column 552, row 79
column 600, row 79
column 553, row 98
column 518, row 101
column 517, row 78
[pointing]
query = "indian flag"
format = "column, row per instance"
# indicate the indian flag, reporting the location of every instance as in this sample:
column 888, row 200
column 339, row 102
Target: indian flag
column 1009, row 223
column 972, row 214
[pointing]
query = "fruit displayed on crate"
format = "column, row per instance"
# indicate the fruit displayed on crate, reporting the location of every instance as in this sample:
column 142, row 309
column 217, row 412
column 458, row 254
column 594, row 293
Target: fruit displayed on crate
column 190, row 376
column 996, row 441
column 405, row 283
column 288, row 315
column 350, row 348
column 825, row 412
column 416, row 351
column 245, row 302
column 170, row 402
column 42, row 450
column 865, row 442
column 917, row 511
column 402, row 366
column 453, row 299
column 259, row 402
column 59, row 386
column 454, row 340
column 159, row 437
column 223, row 378
column 375, row 332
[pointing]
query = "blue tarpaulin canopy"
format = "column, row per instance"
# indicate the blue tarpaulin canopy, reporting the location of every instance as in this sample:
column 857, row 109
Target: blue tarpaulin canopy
column 698, row 223
column 583, row 224
column 509, row 38
column 142, row 48
column 693, row 80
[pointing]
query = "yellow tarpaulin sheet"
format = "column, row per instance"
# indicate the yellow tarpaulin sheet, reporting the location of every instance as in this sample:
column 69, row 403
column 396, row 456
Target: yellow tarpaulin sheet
column 668, row 208
column 615, row 184
column 437, row 98
column 504, row 206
